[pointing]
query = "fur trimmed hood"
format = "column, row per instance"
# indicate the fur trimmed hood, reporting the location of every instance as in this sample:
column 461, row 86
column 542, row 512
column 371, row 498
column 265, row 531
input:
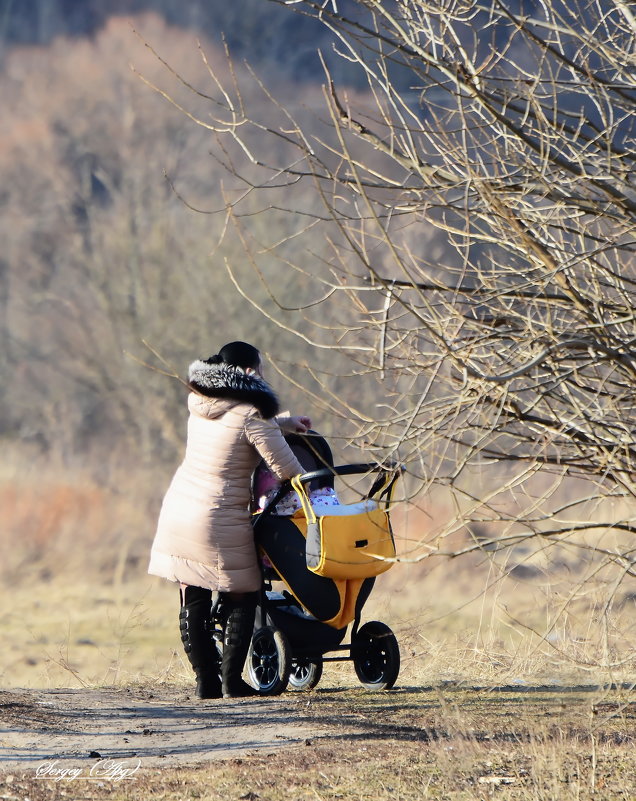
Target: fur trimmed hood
column 232, row 383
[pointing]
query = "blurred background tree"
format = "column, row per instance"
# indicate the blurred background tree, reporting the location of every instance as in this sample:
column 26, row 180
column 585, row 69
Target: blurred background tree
column 100, row 254
column 433, row 237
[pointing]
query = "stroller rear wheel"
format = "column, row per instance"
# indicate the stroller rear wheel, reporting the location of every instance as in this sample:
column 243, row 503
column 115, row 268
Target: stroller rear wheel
column 305, row 673
column 269, row 661
column 376, row 656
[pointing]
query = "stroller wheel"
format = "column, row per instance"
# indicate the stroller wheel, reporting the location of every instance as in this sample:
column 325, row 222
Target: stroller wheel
column 376, row 656
column 305, row 673
column 218, row 644
column 269, row 661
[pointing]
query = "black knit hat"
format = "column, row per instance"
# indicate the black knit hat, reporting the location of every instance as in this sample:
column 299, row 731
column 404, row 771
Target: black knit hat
column 238, row 354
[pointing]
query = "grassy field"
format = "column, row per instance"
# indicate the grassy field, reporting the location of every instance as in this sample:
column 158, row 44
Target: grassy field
column 79, row 608
column 515, row 683
column 455, row 622
column 71, row 631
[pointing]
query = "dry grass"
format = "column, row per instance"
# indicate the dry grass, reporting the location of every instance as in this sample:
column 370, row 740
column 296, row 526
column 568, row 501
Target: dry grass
column 78, row 606
column 79, row 609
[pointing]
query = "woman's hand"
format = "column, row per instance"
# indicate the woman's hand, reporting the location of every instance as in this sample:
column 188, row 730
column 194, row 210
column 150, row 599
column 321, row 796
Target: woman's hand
column 296, row 425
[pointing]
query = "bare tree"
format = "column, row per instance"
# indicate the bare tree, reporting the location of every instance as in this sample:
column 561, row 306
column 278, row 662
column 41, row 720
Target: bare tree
column 466, row 225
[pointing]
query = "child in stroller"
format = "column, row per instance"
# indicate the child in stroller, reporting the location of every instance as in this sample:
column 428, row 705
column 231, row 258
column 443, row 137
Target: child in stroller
column 266, row 486
column 304, row 624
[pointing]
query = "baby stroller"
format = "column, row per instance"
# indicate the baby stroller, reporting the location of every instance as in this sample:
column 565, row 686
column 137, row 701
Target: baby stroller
column 303, row 616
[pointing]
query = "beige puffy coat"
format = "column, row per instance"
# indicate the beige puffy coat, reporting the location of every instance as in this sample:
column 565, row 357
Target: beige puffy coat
column 204, row 536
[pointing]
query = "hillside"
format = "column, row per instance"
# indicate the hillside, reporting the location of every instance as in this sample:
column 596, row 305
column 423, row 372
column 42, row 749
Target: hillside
column 264, row 33
column 102, row 252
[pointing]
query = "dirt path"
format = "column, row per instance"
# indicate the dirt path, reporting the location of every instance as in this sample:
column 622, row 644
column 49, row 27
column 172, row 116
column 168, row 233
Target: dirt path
column 439, row 741
column 52, row 730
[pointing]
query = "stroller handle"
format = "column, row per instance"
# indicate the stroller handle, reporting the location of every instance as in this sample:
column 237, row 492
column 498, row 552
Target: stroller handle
column 346, row 470
column 387, row 476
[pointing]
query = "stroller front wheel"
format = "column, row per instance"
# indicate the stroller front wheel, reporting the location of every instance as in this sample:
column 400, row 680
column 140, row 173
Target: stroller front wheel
column 376, row 656
column 269, row 661
column 305, row 673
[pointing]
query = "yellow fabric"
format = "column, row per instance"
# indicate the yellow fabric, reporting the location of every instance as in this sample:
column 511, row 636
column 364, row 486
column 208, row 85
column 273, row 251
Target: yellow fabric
column 348, row 591
column 340, row 559
column 349, row 546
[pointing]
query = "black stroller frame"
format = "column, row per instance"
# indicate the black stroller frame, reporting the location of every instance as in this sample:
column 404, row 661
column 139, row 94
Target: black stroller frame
column 289, row 646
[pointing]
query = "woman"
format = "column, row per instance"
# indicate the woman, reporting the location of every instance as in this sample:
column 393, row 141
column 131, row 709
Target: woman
column 204, row 537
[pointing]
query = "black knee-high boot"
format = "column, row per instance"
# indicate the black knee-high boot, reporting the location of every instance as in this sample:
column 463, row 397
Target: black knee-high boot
column 196, row 636
column 239, row 627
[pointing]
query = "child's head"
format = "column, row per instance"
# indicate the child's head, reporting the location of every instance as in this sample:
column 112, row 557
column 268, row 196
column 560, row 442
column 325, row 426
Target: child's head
column 265, row 481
